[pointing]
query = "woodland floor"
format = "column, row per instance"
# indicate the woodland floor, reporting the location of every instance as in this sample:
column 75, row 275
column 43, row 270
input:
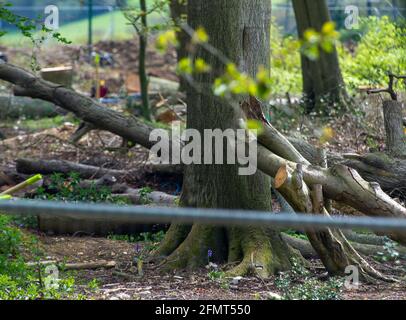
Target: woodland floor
column 180, row 285
column 102, row 149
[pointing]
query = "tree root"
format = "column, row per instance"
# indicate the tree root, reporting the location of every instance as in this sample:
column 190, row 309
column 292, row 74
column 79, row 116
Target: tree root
column 264, row 253
column 193, row 252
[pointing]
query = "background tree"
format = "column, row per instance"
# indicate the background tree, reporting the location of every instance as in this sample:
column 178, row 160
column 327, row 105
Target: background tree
column 401, row 4
column 322, row 79
column 178, row 10
column 138, row 19
column 240, row 30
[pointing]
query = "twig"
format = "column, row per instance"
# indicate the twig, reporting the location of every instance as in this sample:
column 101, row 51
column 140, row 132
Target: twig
column 389, row 89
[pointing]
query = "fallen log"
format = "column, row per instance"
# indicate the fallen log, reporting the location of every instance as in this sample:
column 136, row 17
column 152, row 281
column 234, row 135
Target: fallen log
column 390, row 173
column 29, row 166
column 331, row 245
column 308, row 251
column 83, row 107
column 365, row 238
column 339, row 183
column 142, row 196
column 378, row 167
column 76, row 266
column 83, row 129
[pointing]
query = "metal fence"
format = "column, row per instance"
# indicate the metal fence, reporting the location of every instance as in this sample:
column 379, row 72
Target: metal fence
column 283, row 14
column 142, row 214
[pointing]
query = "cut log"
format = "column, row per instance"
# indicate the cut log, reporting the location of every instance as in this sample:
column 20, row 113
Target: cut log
column 29, row 166
column 308, row 251
column 331, row 245
column 378, row 167
column 339, row 183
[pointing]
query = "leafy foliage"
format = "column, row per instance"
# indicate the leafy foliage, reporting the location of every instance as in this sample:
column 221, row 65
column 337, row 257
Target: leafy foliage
column 298, row 284
column 389, row 253
column 18, row 281
column 25, row 25
column 314, row 42
column 70, row 189
column 381, row 49
column 285, row 62
column 378, row 48
column 144, row 192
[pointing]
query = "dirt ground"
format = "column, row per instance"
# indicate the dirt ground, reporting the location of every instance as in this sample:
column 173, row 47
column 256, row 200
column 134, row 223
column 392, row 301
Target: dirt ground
column 122, row 283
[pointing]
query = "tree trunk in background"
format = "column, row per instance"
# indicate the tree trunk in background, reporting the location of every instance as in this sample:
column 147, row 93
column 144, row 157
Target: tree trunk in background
column 395, row 135
column 179, row 15
column 401, row 4
column 322, row 79
column 143, row 34
column 240, row 30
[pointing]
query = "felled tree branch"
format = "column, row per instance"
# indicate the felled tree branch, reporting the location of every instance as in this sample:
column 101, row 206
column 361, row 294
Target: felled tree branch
column 83, row 107
column 30, row 166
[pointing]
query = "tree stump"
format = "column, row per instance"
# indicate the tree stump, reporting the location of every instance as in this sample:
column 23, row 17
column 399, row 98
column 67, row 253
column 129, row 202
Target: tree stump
column 395, row 135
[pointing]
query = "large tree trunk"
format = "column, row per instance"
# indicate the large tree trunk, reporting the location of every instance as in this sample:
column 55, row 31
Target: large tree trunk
column 240, row 30
column 322, row 79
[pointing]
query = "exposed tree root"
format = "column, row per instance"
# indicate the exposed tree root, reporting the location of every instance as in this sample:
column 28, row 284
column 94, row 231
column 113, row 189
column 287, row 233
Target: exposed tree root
column 263, row 253
column 192, row 253
column 175, row 235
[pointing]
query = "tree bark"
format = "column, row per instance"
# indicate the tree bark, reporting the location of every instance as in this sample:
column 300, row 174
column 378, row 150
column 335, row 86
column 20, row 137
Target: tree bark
column 331, row 245
column 322, row 79
column 395, row 135
column 240, row 30
column 142, row 69
column 389, row 172
column 308, row 251
column 29, row 166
